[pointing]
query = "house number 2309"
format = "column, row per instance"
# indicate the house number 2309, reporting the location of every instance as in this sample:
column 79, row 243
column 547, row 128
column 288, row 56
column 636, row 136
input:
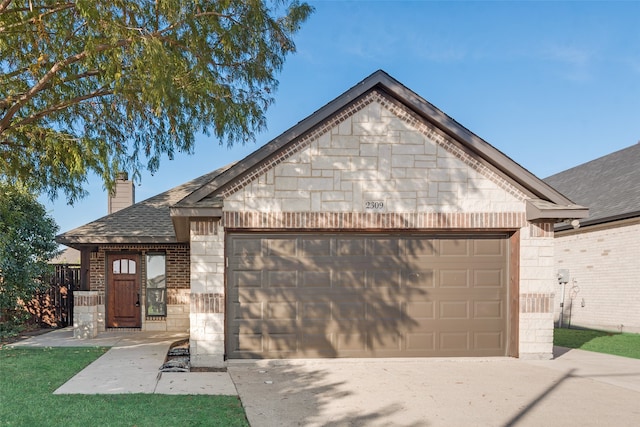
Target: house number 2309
column 374, row 205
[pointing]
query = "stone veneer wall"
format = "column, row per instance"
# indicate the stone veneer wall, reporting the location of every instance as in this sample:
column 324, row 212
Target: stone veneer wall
column 177, row 271
column 376, row 151
column 85, row 314
column 207, row 294
column 537, row 281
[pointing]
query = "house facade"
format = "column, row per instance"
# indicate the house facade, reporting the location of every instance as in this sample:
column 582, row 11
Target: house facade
column 600, row 259
column 376, row 227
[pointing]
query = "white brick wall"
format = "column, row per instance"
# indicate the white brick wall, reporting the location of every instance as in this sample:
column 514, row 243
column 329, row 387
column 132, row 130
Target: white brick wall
column 604, row 287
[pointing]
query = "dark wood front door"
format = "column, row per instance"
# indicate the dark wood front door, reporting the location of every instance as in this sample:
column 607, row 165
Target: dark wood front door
column 123, row 291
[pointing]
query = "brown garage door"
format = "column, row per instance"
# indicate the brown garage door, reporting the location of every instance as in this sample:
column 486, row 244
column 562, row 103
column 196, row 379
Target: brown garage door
column 366, row 295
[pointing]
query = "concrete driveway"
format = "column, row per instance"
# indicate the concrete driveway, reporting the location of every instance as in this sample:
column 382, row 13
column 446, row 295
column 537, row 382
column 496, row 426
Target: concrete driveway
column 578, row 388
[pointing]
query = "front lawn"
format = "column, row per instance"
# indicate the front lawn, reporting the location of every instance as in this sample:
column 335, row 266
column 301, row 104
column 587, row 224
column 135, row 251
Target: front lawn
column 627, row 345
column 28, row 377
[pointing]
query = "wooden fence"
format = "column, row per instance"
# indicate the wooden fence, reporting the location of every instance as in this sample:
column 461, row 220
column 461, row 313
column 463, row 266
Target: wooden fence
column 54, row 307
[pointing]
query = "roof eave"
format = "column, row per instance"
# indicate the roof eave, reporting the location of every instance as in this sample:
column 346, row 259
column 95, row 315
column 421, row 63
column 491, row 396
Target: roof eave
column 604, row 220
column 541, row 209
column 74, row 241
column 181, row 216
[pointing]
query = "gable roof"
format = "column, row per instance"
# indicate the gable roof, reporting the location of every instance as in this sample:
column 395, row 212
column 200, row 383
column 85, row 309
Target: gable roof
column 545, row 203
column 380, row 80
column 148, row 221
column 609, row 185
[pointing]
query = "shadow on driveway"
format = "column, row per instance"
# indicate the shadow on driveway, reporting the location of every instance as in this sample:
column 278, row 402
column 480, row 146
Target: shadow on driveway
column 433, row 392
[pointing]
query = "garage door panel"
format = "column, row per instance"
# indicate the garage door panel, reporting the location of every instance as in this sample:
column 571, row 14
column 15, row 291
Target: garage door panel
column 454, row 278
column 488, row 278
column 350, row 247
column 488, row 340
column 282, row 343
column 453, row 247
column 454, row 341
column 382, row 246
column 350, row 279
column 277, row 247
column 247, row 310
column 488, row 309
column 361, row 295
column 414, row 248
column 281, row 311
column 383, row 278
column 454, row 310
column 351, row 343
column 246, row 279
column 321, row 279
column 421, row 342
column 418, row 278
column 321, row 344
column 246, row 247
column 282, row 279
column 385, row 310
column 488, row 247
column 317, row 311
column 252, row 343
column 386, row 343
column 315, row 247
column 420, row 310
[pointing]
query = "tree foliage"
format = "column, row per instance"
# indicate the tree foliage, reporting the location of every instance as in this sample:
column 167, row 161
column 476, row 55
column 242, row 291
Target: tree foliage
column 109, row 86
column 26, row 244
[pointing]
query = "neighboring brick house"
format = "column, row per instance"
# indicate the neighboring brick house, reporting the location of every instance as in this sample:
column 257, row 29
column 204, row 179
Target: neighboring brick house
column 603, row 255
column 376, row 227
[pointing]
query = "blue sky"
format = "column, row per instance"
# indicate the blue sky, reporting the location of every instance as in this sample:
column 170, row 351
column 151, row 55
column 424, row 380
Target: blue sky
column 551, row 84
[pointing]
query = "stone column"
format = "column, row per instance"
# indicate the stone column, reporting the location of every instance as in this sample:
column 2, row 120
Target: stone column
column 207, row 294
column 85, row 314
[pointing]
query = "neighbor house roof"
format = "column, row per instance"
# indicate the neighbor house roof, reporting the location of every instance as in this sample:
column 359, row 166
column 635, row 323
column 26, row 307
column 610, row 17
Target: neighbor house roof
column 66, row 256
column 609, row 185
column 148, row 221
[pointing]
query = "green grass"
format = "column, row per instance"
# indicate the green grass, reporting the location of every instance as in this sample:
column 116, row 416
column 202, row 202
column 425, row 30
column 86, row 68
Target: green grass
column 627, row 345
column 28, row 377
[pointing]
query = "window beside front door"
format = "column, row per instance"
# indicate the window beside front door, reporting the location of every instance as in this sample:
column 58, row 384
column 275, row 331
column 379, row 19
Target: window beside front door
column 156, row 285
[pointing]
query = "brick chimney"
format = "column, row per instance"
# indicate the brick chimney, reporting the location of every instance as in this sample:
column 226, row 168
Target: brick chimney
column 124, row 194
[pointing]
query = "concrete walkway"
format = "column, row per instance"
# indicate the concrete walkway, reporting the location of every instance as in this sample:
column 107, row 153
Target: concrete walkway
column 131, row 365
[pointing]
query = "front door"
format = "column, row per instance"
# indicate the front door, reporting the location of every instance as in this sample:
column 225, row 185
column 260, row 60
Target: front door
column 123, row 291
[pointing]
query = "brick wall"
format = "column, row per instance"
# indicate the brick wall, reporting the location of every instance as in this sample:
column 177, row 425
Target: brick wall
column 178, row 283
column 604, row 287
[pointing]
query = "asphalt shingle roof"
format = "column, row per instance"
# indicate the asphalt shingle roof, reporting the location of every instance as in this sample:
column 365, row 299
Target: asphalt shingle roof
column 148, row 221
column 609, row 185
